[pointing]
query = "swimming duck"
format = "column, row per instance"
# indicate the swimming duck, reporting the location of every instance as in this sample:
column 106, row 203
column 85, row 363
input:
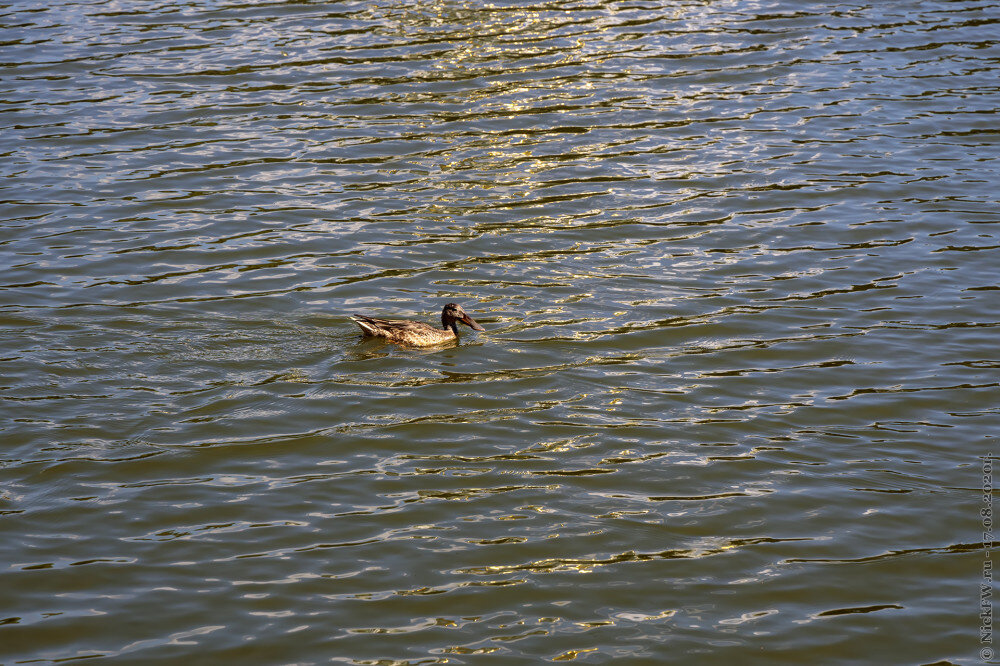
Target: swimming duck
column 417, row 333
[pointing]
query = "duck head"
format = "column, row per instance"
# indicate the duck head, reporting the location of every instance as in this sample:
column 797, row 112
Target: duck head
column 452, row 313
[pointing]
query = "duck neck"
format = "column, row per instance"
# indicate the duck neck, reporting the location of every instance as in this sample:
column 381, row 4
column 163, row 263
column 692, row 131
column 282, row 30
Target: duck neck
column 447, row 322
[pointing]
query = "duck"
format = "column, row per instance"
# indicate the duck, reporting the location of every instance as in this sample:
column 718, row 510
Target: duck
column 417, row 333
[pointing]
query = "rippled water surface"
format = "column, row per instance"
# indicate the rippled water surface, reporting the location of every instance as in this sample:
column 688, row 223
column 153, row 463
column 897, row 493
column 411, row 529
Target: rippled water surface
column 737, row 264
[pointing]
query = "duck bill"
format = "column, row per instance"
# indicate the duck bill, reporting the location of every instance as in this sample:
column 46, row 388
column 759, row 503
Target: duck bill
column 471, row 323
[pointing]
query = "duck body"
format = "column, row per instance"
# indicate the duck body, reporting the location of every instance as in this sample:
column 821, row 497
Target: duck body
column 417, row 333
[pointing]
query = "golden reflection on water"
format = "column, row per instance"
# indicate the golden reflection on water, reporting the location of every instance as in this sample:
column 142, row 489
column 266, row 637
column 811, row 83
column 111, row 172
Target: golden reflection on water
column 712, row 413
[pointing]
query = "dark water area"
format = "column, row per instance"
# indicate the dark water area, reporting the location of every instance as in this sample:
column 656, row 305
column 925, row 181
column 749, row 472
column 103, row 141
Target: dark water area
column 737, row 263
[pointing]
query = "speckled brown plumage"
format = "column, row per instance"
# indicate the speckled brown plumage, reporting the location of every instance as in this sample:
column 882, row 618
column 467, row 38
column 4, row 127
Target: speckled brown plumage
column 417, row 333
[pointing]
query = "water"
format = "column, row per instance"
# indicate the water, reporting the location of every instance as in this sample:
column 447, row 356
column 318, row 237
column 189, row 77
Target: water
column 737, row 263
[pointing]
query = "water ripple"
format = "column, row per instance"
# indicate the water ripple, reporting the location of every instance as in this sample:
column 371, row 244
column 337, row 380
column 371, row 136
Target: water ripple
column 736, row 265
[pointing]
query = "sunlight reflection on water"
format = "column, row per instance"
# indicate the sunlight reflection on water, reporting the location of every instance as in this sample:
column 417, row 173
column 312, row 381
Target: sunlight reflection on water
column 735, row 263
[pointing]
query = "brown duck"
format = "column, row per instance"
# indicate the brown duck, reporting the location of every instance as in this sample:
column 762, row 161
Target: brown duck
column 417, row 333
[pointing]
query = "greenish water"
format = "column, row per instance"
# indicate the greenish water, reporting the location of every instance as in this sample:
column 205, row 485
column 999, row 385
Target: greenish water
column 738, row 268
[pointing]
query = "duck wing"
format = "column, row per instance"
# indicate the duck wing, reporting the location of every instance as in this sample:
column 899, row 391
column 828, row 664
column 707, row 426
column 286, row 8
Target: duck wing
column 392, row 328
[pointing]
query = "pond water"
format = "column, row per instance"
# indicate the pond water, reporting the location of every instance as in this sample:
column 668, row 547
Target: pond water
column 737, row 262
